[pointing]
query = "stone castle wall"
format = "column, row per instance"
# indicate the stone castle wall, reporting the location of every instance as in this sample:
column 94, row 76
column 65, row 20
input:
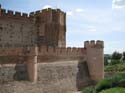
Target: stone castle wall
column 45, row 27
column 69, row 69
column 50, row 67
column 92, row 53
column 55, row 77
column 63, row 76
column 33, row 48
column 7, row 72
column 45, row 54
column 16, row 30
column 12, row 72
column 50, row 54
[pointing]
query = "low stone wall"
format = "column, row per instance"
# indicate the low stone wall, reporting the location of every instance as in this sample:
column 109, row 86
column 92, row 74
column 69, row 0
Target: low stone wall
column 56, row 77
column 60, row 77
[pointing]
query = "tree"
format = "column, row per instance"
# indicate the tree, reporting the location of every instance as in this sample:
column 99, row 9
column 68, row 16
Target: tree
column 124, row 55
column 116, row 55
column 107, row 57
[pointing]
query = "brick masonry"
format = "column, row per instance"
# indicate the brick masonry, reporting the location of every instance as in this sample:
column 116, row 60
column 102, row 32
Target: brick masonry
column 34, row 57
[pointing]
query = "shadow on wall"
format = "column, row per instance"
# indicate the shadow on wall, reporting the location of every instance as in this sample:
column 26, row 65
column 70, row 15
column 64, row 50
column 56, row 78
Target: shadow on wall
column 10, row 72
column 83, row 77
column 21, row 72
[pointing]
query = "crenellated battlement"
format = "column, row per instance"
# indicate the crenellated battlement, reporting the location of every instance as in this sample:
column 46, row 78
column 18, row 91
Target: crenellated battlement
column 4, row 12
column 45, row 11
column 94, row 44
column 43, row 51
column 10, row 13
column 61, row 51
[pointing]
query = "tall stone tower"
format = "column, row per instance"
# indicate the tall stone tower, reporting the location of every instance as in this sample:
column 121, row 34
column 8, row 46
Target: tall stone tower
column 51, row 27
column 95, row 59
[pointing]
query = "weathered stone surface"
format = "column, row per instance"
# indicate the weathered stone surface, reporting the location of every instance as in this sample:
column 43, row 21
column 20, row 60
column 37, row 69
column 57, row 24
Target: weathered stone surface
column 7, row 73
column 57, row 77
column 11, row 72
column 61, row 77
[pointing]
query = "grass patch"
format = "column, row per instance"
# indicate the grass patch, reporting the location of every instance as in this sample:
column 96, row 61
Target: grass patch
column 115, row 68
column 114, row 90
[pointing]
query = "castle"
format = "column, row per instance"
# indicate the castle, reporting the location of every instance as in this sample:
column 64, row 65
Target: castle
column 30, row 45
column 42, row 28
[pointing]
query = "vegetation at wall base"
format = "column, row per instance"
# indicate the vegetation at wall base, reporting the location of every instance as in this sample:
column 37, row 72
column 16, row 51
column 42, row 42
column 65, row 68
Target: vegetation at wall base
column 115, row 84
column 89, row 89
column 115, row 81
column 114, row 90
column 104, row 84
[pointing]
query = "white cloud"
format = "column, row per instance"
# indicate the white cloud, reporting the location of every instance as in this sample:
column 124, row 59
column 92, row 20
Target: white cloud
column 118, row 4
column 91, row 16
column 79, row 10
column 47, row 6
column 90, row 23
column 69, row 13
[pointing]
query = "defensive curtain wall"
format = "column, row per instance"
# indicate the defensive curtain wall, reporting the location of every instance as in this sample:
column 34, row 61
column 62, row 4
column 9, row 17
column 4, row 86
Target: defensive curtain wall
column 62, row 69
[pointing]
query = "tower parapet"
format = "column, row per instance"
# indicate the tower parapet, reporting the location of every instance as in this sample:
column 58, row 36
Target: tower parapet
column 14, row 14
column 94, row 44
column 45, row 10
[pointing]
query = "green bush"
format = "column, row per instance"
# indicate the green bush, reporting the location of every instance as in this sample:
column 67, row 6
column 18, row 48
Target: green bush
column 88, row 89
column 110, row 82
column 121, row 67
column 118, row 77
column 104, row 84
column 121, row 83
column 114, row 90
column 118, row 80
column 113, row 62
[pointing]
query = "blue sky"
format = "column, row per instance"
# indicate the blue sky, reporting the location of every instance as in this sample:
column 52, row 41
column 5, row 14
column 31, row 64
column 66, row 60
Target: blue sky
column 86, row 19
